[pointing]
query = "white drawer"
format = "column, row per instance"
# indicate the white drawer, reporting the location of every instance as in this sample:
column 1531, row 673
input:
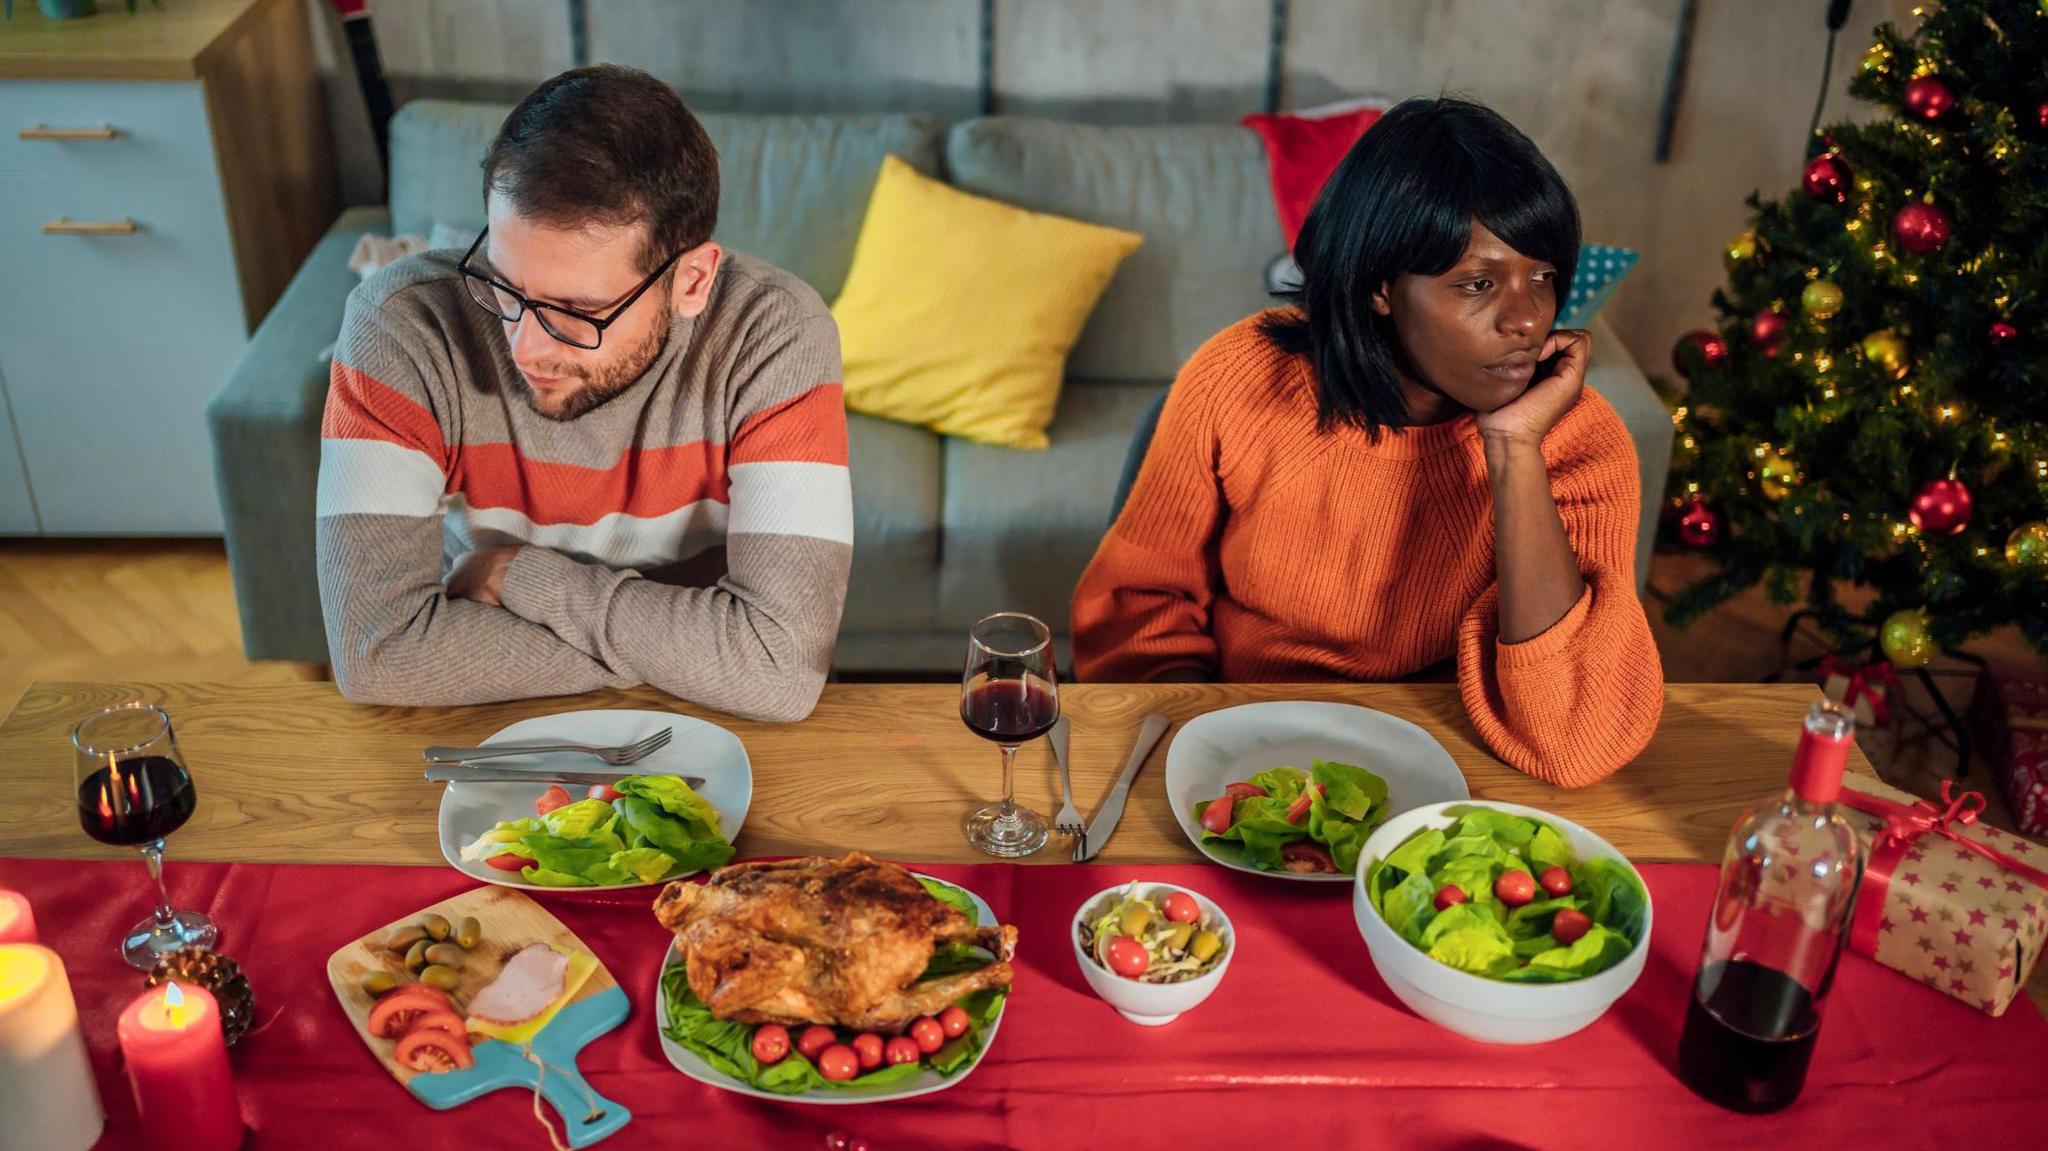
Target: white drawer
column 159, row 129
column 111, row 345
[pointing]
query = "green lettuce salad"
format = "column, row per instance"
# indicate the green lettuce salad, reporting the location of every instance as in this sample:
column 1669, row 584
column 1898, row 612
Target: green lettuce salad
column 728, row 1046
column 1482, row 933
column 654, row 829
column 1274, row 814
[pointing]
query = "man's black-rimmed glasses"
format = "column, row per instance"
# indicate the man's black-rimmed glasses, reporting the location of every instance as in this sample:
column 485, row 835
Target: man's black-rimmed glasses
column 571, row 327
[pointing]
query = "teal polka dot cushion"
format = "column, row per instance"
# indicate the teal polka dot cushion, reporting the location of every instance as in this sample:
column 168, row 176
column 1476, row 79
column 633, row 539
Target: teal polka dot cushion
column 1601, row 267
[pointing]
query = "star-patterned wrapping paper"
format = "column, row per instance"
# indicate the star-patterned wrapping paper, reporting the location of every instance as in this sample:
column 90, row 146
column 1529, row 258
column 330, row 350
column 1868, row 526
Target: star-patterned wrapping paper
column 1949, row 917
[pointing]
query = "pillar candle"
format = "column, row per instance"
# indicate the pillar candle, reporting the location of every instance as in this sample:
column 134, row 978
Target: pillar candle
column 46, row 1091
column 17, row 919
column 178, row 1066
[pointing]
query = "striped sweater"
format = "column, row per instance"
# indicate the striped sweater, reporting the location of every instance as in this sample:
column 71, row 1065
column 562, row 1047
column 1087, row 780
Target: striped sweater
column 1254, row 547
column 694, row 533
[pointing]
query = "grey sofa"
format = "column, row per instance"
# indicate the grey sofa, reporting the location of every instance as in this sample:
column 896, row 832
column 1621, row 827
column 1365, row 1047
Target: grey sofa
column 945, row 531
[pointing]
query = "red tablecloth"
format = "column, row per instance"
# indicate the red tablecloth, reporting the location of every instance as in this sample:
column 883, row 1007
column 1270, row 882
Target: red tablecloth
column 1302, row 1040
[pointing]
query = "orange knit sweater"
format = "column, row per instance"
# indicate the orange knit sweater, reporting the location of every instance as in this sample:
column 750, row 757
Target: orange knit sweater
column 1254, row 547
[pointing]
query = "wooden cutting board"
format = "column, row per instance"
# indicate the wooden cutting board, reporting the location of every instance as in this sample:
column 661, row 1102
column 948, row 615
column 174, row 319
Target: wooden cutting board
column 511, row 920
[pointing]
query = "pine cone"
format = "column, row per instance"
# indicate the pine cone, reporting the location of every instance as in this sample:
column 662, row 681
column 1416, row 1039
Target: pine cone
column 221, row 976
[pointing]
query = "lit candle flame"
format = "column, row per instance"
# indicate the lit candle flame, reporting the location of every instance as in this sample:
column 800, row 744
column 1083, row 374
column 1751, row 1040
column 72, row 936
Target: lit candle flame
column 174, row 1005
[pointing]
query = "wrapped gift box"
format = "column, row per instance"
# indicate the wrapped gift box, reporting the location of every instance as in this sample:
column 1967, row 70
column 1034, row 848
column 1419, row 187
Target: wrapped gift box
column 2011, row 711
column 1870, row 692
column 1957, row 905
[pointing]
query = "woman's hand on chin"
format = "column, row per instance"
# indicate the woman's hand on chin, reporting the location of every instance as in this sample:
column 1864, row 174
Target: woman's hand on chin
column 1524, row 420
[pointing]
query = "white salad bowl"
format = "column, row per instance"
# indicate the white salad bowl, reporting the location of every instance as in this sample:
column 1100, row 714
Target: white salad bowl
column 1151, row 1004
column 1488, row 1010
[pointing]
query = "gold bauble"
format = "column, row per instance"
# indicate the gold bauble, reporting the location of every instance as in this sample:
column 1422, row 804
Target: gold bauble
column 1739, row 249
column 2027, row 546
column 1776, row 475
column 1821, row 299
column 1905, row 640
column 1878, row 57
column 1887, row 349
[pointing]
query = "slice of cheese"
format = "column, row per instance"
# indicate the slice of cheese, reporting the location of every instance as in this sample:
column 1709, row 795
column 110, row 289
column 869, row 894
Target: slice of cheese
column 581, row 965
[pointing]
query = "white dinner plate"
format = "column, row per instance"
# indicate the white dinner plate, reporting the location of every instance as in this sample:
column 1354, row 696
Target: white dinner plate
column 698, row 748
column 926, row 1082
column 1234, row 743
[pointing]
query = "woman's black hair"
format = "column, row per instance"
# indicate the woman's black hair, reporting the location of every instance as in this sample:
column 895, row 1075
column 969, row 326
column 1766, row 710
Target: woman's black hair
column 1404, row 200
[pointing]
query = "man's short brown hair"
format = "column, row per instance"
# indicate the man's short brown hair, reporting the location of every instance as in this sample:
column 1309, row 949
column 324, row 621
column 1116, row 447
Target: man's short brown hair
column 610, row 146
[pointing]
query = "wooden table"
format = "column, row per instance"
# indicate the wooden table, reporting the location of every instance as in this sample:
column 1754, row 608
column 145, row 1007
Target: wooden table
column 293, row 773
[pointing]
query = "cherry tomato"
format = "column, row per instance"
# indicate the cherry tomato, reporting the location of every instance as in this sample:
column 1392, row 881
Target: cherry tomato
column 1216, row 816
column 867, row 1047
column 838, row 1063
column 927, row 1034
column 1127, row 957
column 1182, row 908
column 1298, row 810
column 1244, row 790
column 954, row 1022
column 1448, row 895
column 901, row 1049
column 1305, row 858
column 555, row 796
column 1515, row 888
column 1556, row 880
column 507, row 862
column 771, row 1043
column 815, row 1039
column 604, row 791
column 434, row 1050
column 1568, row 925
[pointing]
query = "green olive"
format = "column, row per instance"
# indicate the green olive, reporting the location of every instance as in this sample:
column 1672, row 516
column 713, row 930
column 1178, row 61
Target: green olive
column 416, row 955
column 444, row 978
column 1177, row 937
column 1136, row 918
column 1204, row 945
column 379, row 981
column 405, row 937
column 470, row 933
column 446, row 955
column 436, row 926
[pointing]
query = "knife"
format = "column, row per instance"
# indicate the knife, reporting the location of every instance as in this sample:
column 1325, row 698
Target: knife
column 455, row 773
column 1112, row 810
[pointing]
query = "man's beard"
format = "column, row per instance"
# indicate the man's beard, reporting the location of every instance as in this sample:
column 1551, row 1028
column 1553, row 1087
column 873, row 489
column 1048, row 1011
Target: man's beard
column 596, row 390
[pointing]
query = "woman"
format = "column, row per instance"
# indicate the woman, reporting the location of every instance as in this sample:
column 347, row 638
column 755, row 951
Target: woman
column 1401, row 467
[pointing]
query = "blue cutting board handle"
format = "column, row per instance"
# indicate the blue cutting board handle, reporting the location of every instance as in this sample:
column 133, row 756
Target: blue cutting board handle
column 586, row 1115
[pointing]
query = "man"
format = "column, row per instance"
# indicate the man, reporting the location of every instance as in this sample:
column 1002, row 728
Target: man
column 597, row 450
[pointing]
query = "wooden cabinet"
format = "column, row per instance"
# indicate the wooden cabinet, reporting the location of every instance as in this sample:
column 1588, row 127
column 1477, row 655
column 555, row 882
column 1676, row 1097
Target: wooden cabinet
column 161, row 177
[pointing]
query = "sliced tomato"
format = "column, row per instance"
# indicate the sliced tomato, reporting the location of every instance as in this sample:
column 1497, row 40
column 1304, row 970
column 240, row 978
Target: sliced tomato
column 432, row 1050
column 1216, row 816
column 1307, row 857
column 405, row 1004
column 604, row 791
column 438, row 1019
column 507, row 861
column 1298, row 810
column 555, row 796
column 1244, row 790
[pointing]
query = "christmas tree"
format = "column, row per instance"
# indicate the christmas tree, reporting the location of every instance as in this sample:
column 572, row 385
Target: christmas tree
column 1871, row 410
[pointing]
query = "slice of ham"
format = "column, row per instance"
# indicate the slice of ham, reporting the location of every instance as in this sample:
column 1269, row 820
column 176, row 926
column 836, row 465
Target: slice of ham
column 531, row 980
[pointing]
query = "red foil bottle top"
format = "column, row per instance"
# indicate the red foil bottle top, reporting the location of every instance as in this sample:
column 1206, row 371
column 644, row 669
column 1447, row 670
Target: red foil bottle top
column 1823, row 754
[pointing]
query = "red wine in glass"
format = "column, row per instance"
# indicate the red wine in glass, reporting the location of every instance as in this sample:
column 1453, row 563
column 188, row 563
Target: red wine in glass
column 136, row 801
column 1010, row 710
column 1009, row 693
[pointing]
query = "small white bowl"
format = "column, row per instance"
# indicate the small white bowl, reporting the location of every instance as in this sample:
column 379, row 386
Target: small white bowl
column 1488, row 1010
column 1151, row 1004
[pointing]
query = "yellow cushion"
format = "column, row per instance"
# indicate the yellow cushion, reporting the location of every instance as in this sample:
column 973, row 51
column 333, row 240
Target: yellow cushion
column 959, row 311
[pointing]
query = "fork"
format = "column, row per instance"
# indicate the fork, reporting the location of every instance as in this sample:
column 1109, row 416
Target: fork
column 1068, row 821
column 616, row 756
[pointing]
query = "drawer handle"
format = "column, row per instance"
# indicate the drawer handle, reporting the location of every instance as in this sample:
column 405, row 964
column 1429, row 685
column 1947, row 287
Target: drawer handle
column 45, row 132
column 66, row 226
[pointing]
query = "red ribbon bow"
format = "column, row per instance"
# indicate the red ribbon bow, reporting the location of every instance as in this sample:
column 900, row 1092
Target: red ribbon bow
column 1903, row 824
column 1876, row 681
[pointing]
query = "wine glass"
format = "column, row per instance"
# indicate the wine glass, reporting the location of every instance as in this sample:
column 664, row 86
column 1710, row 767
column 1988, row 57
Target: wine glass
column 133, row 790
column 1009, row 693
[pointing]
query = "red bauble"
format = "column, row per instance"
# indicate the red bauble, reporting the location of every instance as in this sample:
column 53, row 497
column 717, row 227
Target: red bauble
column 2041, row 115
column 1827, row 179
column 1941, row 508
column 1768, row 327
column 1928, row 98
column 1699, row 526
column 2001, row 332
column 1921, row 228
column 1696, row 348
